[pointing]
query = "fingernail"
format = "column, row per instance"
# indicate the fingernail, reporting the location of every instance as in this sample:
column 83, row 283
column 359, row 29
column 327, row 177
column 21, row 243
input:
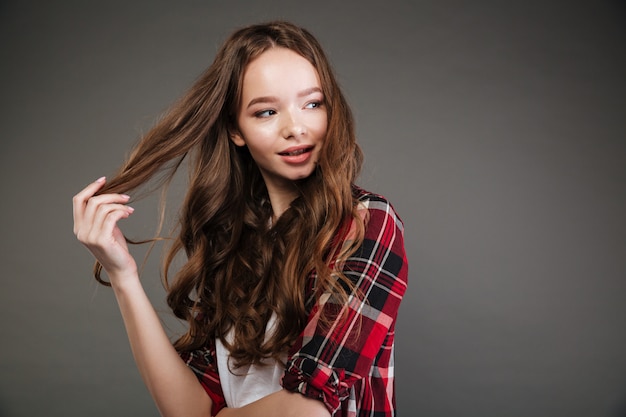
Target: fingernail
column 125, row 196
column 101, row 179
column 130, row 209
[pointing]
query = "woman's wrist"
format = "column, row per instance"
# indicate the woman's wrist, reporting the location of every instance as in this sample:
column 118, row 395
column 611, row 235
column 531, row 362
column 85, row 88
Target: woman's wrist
column 123, row 282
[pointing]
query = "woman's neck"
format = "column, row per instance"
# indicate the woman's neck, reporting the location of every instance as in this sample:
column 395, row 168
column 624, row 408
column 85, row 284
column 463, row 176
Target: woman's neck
column 281, row 199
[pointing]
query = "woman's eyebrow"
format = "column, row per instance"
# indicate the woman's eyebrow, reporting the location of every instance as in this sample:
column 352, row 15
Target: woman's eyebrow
column 309, row 91
column 264, row 99
column 273, row 99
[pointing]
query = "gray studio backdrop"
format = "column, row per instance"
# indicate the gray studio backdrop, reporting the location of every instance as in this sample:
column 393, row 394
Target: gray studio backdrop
column 497, row 129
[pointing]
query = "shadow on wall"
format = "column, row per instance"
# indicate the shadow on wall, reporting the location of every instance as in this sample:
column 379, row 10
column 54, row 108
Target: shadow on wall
column 621, row 409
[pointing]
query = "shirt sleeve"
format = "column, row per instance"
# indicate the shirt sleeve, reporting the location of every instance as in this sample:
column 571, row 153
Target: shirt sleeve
column 203, row 363
column 328, row 358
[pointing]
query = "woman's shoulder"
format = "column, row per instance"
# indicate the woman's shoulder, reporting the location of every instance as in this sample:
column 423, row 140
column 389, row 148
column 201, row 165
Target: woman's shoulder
column 365, row 196
column 373, row 203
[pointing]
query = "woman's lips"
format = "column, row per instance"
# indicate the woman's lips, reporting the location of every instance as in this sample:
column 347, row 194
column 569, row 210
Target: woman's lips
column 294, row 151
column 296, row 155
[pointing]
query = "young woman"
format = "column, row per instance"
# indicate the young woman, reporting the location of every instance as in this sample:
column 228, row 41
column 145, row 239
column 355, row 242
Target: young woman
column 293, row 274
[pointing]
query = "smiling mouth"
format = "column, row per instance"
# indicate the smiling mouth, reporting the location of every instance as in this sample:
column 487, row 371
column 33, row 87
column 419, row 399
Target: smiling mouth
column 296, row 152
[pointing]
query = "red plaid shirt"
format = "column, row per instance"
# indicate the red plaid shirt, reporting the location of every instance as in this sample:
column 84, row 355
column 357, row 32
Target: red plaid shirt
column 348, row 365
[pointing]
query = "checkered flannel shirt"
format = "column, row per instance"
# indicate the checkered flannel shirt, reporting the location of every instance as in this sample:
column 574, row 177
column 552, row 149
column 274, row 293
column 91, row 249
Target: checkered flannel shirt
column 347, row 364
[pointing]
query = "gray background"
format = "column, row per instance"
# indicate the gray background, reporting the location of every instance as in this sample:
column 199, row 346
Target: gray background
column 495, row 128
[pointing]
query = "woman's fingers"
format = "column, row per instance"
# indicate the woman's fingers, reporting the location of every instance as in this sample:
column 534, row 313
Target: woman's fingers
column 96, row 204
column 80, row 200
column 86, row 205
column 100, row 234
column 95, row 226
column 100, row 227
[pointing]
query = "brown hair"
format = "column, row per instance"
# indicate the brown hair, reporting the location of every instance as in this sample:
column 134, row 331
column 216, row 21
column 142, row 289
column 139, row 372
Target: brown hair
column 239, row 271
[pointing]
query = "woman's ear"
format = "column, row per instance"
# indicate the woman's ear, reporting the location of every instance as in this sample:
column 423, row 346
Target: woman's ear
column 236, row 137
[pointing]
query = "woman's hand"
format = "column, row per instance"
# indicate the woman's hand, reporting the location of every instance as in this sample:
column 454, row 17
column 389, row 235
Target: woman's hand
column 95, row 226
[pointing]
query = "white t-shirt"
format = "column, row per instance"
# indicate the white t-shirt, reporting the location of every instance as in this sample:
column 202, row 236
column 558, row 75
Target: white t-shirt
column 247, row 384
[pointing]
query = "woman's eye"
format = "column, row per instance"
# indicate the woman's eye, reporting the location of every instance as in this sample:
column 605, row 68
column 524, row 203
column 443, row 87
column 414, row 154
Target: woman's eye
column 264, row 113
column 313, row 105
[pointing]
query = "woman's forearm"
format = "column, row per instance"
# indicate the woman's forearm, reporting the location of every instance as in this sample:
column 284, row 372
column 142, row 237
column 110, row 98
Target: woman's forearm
column 174, row 387
column 279, row 404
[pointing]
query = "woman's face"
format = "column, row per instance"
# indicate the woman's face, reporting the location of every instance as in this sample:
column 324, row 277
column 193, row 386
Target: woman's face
column 282, row 117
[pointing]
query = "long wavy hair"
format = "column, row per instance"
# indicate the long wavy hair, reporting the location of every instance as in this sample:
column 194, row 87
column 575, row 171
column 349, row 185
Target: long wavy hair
column 239, row 271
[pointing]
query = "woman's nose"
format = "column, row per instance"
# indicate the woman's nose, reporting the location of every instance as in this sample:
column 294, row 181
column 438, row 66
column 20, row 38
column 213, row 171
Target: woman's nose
column 292, row 126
